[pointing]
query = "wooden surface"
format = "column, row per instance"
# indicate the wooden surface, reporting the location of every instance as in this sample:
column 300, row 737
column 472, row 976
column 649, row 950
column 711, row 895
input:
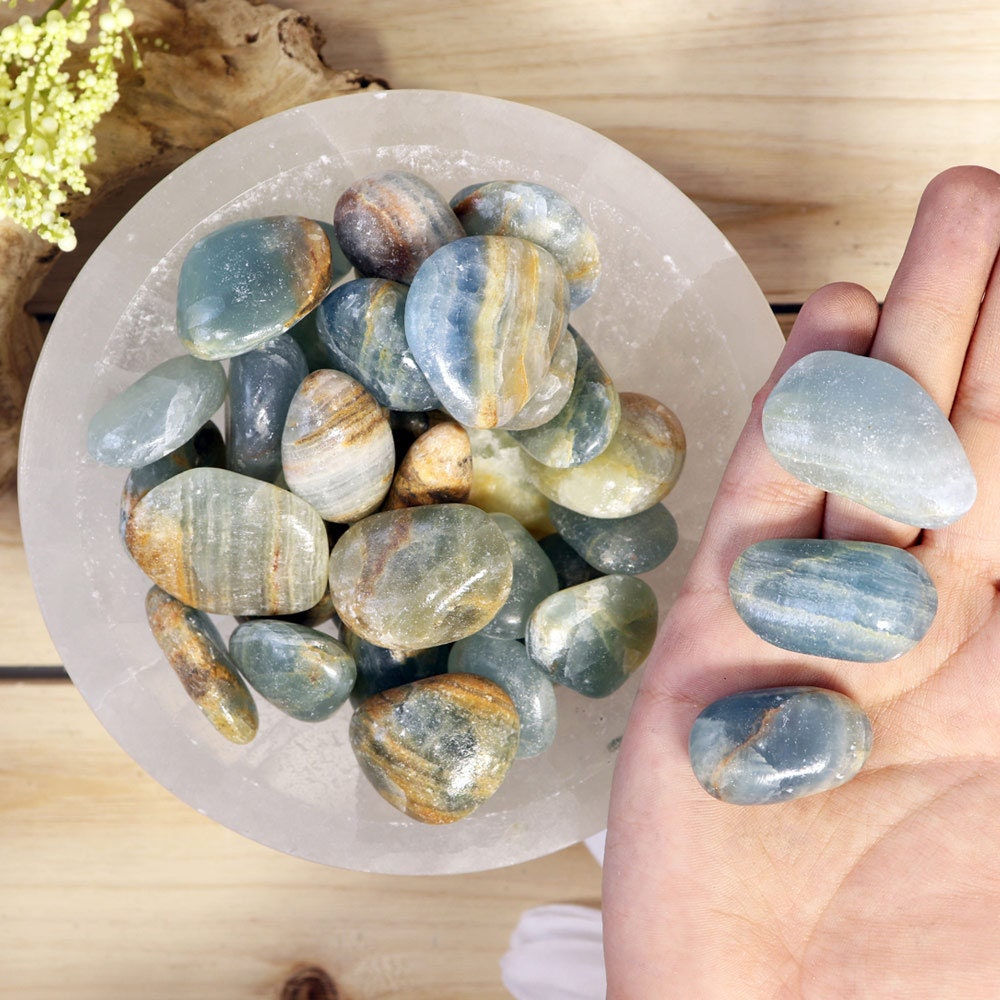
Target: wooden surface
column 806, row 132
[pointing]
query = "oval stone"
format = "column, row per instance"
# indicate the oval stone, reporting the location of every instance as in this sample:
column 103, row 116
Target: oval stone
column 157, row 413
column 336, row 448
column 304, row 673
column 422, row 576
column 437, row 468
column 438, row 748
column 537, row 213
column 380, row 668
column 228, row 544
column 361, row 325
column 636, row 471
column 483, row 317
column 866, row 430
column 506, row 662
column 592, row 637
column 262, row 383
column 554, row 392
column 777, row 744
column 571, row 568
column 249, row 281
column 857, row 601
column 197, row 654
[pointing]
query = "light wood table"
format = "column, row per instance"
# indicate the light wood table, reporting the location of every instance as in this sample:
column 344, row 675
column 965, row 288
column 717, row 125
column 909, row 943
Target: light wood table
column 807, row 133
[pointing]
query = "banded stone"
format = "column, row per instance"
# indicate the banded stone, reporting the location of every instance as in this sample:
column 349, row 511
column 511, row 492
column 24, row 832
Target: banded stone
column 437, row 468
column 554, row 392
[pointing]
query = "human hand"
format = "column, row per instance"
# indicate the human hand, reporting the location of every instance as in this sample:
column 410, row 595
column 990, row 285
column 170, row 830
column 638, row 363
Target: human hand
column 888, row 886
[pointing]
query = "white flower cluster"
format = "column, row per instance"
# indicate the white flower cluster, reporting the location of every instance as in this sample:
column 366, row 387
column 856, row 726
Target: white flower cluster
column 47, row 116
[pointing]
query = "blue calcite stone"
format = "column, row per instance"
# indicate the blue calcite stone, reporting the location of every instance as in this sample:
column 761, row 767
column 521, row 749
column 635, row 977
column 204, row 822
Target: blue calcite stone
column 866, row 430
column 848, row 600
column 571, row 568
column 389, row 223
column 380, row 668
column 361, row 325
column 593, row 636
column 585, row 425
column 633, row 544
column 534, row 580
column 157, row 413
column 305, row 333
column 554, row 392
column 775, row 744
column 483, row 318
column 506, row 662
column 537, row 213
column 249, row 281
column 262, row 383
column 305, row 673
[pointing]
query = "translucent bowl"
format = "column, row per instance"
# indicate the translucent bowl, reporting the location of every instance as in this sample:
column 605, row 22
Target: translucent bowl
column 677, row 315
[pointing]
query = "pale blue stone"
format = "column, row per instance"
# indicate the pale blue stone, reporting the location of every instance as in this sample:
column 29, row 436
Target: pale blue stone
column 776, row 744
column 634, row 544
column 381, row 669
column 848, row 600
column 157, row 413
column 506, row 662
column 571, row 568
column 866, row 430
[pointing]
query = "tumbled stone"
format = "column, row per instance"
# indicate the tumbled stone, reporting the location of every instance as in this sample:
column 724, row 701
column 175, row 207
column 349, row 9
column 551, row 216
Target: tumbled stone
column 777, row 744
column 306, row 674
column 586, row 424
column 506, row 662
column 537, row 213
column 197, row 654
column 249, row 281
column 305, row 333
column 483, row 317
column 633, row 544
column 554, row 392
column 592, row 637
column 337, row 449
column 636, row 471
column 262, row 383
column 389, row 223
column 380, row 668
column 848, row 600
column 571, row 568
column 534, row 579
column 228, row 544
column 157, row 413
column 422, row 576
column 361, row 325
column 320, row 612
column 437, row 468
column 438, row 748
column 866, row 430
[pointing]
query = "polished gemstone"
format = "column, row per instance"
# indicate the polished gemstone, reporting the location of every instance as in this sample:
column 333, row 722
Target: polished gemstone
column 864, row 429
column 643, row 462
column 228, row 544
column 483, row 317
column 537, row 213
column 318, row 614
column 571, row 568
column 262, row 383
column 534, row 579
column 776, row 744
column 249, row 281
column 848, row 600
column 554, row 392
column 592, row 637
column 305, row 333
column 361, row 325
column 437, row 468
column 389, row 223
column 197, row 654
column 380, row 668
column 422, row 576
column 157, row 413
column 438, row 748
column 337, row 449
column 506, row 662
column 634, row 544
column 305, row 673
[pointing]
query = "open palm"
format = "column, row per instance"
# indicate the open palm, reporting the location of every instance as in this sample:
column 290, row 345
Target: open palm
column 888, row 886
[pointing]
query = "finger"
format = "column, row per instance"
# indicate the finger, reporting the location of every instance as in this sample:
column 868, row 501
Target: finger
column 930, row 312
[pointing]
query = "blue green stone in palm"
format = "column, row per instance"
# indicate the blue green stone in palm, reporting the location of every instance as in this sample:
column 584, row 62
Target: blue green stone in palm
column 848, row 600
column 592, row 637
column 634, row 544
column 506, row 662
column 864, row 429
column 157, row 413
column 777, row 744
column 571, row 568
column 249, row 281
column 306, row 674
